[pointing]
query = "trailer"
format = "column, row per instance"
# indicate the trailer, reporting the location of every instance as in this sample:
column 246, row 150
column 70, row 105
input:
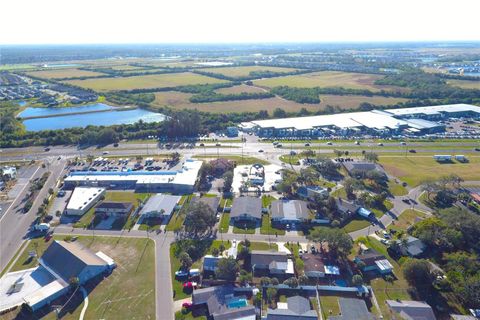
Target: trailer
column 461, row 158
column 442, row 158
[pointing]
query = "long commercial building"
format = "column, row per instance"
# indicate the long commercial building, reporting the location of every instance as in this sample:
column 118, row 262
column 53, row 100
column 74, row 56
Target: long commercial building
column 180, row 181
column 418, row 120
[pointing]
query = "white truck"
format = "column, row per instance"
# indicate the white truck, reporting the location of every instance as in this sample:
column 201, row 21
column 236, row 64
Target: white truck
column 42, row 227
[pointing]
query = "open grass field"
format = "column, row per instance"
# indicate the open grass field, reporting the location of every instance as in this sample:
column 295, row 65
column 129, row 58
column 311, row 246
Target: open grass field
column 126, row 67
column 465, row 84
column 178, row 100
column 406, row 219
column 354, row 101
column 244, row 71
column 63, row 73
column 414, row 170
column 239, row 89
column 130, row 289
column 145, row 82
column 327, row 79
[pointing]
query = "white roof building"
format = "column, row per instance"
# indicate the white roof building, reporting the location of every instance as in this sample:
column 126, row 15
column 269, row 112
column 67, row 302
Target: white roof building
column 179, row 181
column 83, row 199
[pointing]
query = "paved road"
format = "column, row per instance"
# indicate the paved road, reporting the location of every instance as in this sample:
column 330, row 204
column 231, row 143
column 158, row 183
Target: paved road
column 14, row 224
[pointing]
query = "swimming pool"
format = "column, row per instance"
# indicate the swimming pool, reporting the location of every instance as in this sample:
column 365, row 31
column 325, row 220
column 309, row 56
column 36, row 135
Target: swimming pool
column 237, row 303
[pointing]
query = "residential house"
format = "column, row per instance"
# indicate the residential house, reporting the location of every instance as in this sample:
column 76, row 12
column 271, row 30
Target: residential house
column 314, row 266
column 371, row 260
column 160, row 206
column 296, row 307
column 346, row 209
column 222, row 303
column 246, row 208
column 312, row 192
column 411, row 246
column 410, row 310
column 275, row 263
column 114, row 209
column 289, row 211
column 360, row 168
column 9, row 173
column 352, row 309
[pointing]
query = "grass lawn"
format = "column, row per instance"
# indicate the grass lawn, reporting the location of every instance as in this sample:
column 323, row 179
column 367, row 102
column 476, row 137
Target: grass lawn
column 415, row 169
column 224, row 223
column 406, row 219
column 250, row 229
column 326, row 79
column 145, row 81
column 178, row 217
column 130, row 288
column 330, row 306
column 259, row 246
column 238, row 159
column 267, row 200
column 397, row 189
column 239, row 89
column 291, row 159
column 355, row 224
column 384, row 290
column 175, row 266
column 187, row 316
column 266, row 227
column 339, row 193
column 38, row 245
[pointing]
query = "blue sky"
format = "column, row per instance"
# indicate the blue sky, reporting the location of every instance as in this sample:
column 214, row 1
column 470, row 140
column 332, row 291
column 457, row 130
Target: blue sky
column 207, row 21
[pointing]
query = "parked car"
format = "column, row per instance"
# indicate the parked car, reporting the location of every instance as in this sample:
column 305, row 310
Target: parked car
column 186, row 305
column 261, row 150
column 190, row 285
column 181, row 273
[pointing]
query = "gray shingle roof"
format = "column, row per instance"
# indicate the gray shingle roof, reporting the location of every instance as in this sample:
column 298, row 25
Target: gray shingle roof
column 114, row 205
column 413, row 310
column 247, row 205
column 265, row 258
column 353, row 309
column 298, row 308
column 160, row 202
column 289, row 209
column 68, row 259
column 362, row 166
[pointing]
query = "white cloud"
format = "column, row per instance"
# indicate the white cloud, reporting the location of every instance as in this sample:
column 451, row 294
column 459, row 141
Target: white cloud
column 156, row 21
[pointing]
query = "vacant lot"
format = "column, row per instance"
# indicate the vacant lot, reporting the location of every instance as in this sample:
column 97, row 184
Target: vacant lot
column 327, row 79
column 239, row 89
column 145, row 82
column 63, row 73
column 129, row 290
column 465, row 84
column 414, row 170
column 244, row 71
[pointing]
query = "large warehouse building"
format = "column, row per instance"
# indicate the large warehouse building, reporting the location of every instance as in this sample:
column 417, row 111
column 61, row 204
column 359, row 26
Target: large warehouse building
column 419, row 120
column 180, row 181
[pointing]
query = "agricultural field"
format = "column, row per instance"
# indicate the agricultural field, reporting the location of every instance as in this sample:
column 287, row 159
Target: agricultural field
column 126, row 67
column 145, row 82
column 354, row 101
column 63, row 73
column 465, row 84
column 328, row 79
column 415, row 169
column 244, row 71
column 239, row 89
column 178, row 100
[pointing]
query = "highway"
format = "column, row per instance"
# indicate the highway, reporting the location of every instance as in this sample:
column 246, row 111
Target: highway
column 14, row 224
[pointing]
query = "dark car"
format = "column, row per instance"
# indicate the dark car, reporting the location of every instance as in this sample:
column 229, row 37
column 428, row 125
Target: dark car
column 412, row 151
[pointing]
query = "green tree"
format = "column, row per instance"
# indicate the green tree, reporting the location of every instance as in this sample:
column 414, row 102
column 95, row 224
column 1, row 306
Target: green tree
column 339, row 242
column 227, row 269
column 417, row 272
column 357, row 280
column 185, row 260
column 227, row 181
column 199, row 219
